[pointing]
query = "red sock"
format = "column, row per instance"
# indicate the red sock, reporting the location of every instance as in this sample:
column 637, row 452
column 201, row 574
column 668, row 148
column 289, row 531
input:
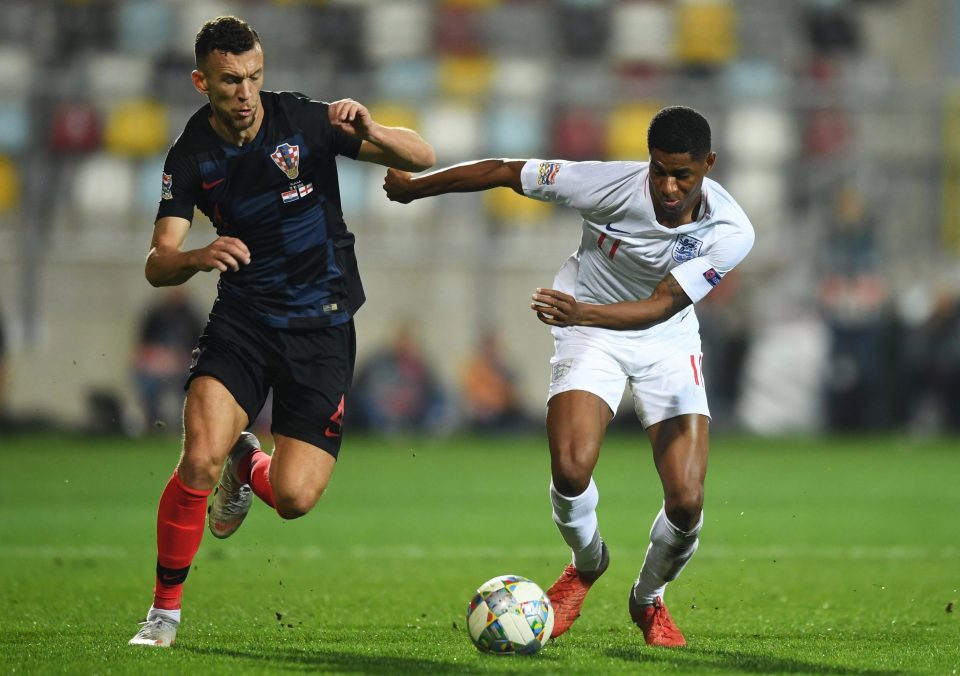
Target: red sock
column 179, row 531
column 260, row 477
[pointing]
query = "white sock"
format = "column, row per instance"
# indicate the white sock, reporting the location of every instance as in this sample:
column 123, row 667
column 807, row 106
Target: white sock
column 576, row 518
column 669, row 551
column 160, row 612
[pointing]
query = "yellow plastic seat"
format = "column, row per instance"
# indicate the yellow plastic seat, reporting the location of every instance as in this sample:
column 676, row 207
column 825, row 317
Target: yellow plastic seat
column 706, row 33
column 9, row 184
column 506, row 206
column 465, row 76
column 627, row 131
column 137, row 128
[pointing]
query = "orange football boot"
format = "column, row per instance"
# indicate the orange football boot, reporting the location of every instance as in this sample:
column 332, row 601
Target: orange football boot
column 657, row 625
column 568, row 592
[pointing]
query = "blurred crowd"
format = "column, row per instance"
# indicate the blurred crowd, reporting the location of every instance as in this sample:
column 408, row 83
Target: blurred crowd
column 396, row 389
column 883, row 368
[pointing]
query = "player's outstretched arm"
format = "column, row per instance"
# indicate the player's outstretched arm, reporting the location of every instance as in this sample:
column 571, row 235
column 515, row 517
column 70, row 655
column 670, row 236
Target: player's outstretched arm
column 560, row 309
column 467, row 177
column 169, row 265
column 390, row 146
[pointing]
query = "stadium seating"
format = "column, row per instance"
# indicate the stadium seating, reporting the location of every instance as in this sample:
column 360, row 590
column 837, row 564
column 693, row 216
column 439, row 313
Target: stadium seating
column 9, row 185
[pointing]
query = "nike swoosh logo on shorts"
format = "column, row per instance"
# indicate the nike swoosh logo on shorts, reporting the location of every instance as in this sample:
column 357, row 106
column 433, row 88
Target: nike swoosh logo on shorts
column 212, row 184
column 610, row 228
column 330, row 433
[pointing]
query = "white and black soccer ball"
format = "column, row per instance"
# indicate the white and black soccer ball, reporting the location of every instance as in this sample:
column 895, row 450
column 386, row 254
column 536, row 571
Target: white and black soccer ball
column 510, row 615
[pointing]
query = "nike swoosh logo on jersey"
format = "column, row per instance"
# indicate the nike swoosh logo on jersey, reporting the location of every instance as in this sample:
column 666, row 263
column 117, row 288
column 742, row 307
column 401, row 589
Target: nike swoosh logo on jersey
column 610, row 228
column 212, row 184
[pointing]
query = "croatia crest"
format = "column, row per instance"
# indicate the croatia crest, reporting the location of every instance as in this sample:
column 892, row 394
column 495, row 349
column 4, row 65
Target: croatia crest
column 287, row 158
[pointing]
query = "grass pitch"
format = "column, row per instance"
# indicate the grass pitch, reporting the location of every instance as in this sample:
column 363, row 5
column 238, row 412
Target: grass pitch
column 817, row 556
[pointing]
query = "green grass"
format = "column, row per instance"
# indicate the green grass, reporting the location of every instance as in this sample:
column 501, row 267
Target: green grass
column 817, row 556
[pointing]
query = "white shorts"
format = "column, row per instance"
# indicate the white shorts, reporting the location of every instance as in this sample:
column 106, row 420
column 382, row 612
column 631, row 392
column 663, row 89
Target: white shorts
column 670, row 386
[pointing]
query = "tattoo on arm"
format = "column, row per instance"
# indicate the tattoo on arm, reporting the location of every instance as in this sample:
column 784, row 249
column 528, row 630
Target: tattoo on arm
column 677, row 297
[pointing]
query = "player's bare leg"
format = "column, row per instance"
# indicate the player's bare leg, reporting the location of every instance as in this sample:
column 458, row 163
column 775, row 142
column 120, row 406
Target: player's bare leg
column 680, row 448
column 212, row 423
column 299, row 474
column 576, row 424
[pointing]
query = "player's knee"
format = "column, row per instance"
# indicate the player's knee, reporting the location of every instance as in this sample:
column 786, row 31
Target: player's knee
column 571, row 475
column 199, row 471
column 683, row 508
column 293, row 506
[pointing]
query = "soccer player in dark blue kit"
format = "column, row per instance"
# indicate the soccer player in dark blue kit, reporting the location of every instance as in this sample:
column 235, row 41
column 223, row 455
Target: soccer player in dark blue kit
column 261, row 165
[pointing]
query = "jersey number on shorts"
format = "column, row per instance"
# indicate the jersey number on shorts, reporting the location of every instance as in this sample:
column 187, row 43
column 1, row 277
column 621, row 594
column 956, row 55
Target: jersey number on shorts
column 336, row 421
column 697, row 366
column 615, row 244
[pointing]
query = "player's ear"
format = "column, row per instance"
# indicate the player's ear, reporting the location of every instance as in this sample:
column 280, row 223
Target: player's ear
column 711, row 158
column 199, row 81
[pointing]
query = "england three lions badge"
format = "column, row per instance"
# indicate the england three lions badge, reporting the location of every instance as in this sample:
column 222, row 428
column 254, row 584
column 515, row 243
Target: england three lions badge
column 686, row 248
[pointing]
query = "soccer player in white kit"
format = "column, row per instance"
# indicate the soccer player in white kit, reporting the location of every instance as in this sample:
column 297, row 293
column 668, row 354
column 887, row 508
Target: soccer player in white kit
column 657, row 236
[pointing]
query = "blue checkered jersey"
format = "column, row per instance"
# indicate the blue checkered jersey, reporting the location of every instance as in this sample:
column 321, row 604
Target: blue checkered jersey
column 280, row 195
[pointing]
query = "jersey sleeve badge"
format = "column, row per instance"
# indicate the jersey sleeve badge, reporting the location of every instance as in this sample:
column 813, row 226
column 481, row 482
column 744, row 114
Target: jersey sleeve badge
column 166, row 187
column 547, row 175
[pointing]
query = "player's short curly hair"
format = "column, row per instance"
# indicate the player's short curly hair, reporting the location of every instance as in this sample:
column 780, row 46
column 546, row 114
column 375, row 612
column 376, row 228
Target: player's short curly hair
column 679, row 129
column 224, row 34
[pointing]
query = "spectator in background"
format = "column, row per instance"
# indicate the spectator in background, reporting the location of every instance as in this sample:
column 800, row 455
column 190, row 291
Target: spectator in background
column 488, row 391
column 853, row 301
column 931, row 367
column 167, row 336
column 396, row 391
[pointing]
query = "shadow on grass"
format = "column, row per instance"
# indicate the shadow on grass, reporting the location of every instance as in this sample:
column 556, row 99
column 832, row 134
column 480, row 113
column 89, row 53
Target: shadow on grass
column 732, row 660
column 350, row 662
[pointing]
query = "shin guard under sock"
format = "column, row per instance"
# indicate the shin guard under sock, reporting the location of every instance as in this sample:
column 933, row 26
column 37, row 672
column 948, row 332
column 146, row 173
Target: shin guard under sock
column 180, row 522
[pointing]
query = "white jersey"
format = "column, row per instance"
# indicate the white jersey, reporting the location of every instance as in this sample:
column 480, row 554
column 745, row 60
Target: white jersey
column 624, row 252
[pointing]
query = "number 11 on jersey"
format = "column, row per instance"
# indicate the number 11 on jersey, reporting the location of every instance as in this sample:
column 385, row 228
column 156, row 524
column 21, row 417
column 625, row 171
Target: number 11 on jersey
column 613, row 246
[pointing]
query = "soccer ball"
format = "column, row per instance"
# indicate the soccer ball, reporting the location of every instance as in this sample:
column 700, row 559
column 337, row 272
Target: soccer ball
column 509, row 615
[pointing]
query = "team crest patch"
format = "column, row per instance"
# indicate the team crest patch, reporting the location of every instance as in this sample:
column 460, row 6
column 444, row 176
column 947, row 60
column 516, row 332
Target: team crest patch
column 287, row 158
column 166, row 187
column 561, row 369
column 712, row 276
column 548, row 173
column 686, row 248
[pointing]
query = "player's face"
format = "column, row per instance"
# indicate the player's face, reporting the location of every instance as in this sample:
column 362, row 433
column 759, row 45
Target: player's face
column 675, row 182
column 232, row 83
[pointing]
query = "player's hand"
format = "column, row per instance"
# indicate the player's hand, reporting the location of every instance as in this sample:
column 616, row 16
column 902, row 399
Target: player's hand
column 398, row 186
column 223, row 253
column 351, row 118
column 556, row 308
